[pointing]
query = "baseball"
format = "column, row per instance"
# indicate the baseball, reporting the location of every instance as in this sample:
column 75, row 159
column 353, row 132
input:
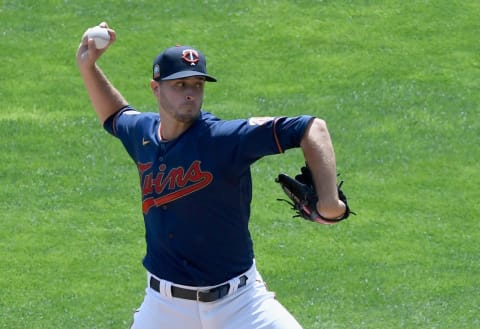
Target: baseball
column 100, row 36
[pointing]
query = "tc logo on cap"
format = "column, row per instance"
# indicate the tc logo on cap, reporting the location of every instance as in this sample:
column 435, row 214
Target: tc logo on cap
column 156, row 71
column 190, row 56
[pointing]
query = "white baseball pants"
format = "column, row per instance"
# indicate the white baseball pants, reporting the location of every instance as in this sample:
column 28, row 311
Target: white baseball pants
column 249, row 307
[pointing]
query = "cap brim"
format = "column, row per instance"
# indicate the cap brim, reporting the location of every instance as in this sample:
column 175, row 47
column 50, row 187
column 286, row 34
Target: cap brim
column 186, row 74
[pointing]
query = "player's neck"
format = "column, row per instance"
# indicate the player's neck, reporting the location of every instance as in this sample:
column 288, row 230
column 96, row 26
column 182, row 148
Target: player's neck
column 167, row 132
column 160, row 133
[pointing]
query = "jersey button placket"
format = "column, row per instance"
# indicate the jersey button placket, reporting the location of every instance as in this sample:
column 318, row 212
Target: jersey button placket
column 162, row 152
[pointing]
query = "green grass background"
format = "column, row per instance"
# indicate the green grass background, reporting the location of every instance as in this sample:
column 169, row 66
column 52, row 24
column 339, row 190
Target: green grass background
column 397, row 81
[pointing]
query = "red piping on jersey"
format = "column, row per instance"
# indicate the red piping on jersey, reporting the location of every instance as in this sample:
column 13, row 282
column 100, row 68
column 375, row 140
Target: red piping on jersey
column 280, row 150
column 115, row 117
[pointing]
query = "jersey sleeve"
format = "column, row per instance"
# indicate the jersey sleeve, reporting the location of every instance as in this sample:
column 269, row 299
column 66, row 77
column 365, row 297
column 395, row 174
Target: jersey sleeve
column 111, row 124
column 288, row 132
column 266, row 136
column 125, row 125
column 244, row 141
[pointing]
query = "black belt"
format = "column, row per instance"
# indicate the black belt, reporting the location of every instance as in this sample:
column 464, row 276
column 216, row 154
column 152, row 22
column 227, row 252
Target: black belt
column 199, row 295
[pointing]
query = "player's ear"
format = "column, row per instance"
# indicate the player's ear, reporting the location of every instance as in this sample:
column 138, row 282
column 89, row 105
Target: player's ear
column 155, row 86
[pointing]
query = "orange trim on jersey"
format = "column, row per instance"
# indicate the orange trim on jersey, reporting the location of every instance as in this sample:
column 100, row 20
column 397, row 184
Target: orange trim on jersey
column 116, row 115
column 280, row 149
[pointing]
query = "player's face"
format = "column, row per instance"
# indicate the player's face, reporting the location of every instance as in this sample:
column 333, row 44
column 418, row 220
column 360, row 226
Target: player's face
column 182, row 99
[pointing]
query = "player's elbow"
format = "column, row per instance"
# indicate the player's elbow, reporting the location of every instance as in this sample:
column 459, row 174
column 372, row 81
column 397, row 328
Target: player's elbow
column 316, row 130
column 319, row 125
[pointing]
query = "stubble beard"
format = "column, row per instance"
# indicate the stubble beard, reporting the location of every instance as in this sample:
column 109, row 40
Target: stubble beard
column 187, row 117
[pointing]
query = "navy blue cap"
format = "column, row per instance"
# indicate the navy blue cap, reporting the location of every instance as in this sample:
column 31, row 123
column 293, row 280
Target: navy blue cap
column 180, row 62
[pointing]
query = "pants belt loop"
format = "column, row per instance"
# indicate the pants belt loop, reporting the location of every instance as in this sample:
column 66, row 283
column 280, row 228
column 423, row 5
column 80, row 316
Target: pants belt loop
column 166, row 288
column 233, row 285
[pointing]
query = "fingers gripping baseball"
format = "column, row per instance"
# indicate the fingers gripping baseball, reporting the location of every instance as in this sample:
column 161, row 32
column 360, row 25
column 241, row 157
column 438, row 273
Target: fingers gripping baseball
column 95, row 41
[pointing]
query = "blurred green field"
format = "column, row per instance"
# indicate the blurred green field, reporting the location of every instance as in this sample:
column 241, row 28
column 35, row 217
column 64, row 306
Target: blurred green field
column 397, row 82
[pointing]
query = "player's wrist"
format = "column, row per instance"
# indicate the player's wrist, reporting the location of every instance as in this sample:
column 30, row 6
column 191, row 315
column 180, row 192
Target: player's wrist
column 332, row 211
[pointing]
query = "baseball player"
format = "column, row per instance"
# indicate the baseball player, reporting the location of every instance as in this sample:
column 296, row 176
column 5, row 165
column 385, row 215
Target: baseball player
column 196, row 188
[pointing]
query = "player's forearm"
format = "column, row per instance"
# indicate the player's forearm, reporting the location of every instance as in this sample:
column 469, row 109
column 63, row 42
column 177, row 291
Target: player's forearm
column 320, row 156
column 105, row 98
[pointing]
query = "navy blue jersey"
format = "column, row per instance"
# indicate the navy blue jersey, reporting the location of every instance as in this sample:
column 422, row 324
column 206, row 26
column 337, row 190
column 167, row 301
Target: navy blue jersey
column 197, row 189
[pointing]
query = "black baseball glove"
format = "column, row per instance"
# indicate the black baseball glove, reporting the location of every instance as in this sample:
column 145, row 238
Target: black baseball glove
column 303, row 197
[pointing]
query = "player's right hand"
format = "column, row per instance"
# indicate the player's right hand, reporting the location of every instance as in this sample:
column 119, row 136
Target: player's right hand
column 87, row 53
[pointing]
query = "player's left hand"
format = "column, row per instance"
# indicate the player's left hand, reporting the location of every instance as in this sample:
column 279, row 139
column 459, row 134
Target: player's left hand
column 303, row 197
